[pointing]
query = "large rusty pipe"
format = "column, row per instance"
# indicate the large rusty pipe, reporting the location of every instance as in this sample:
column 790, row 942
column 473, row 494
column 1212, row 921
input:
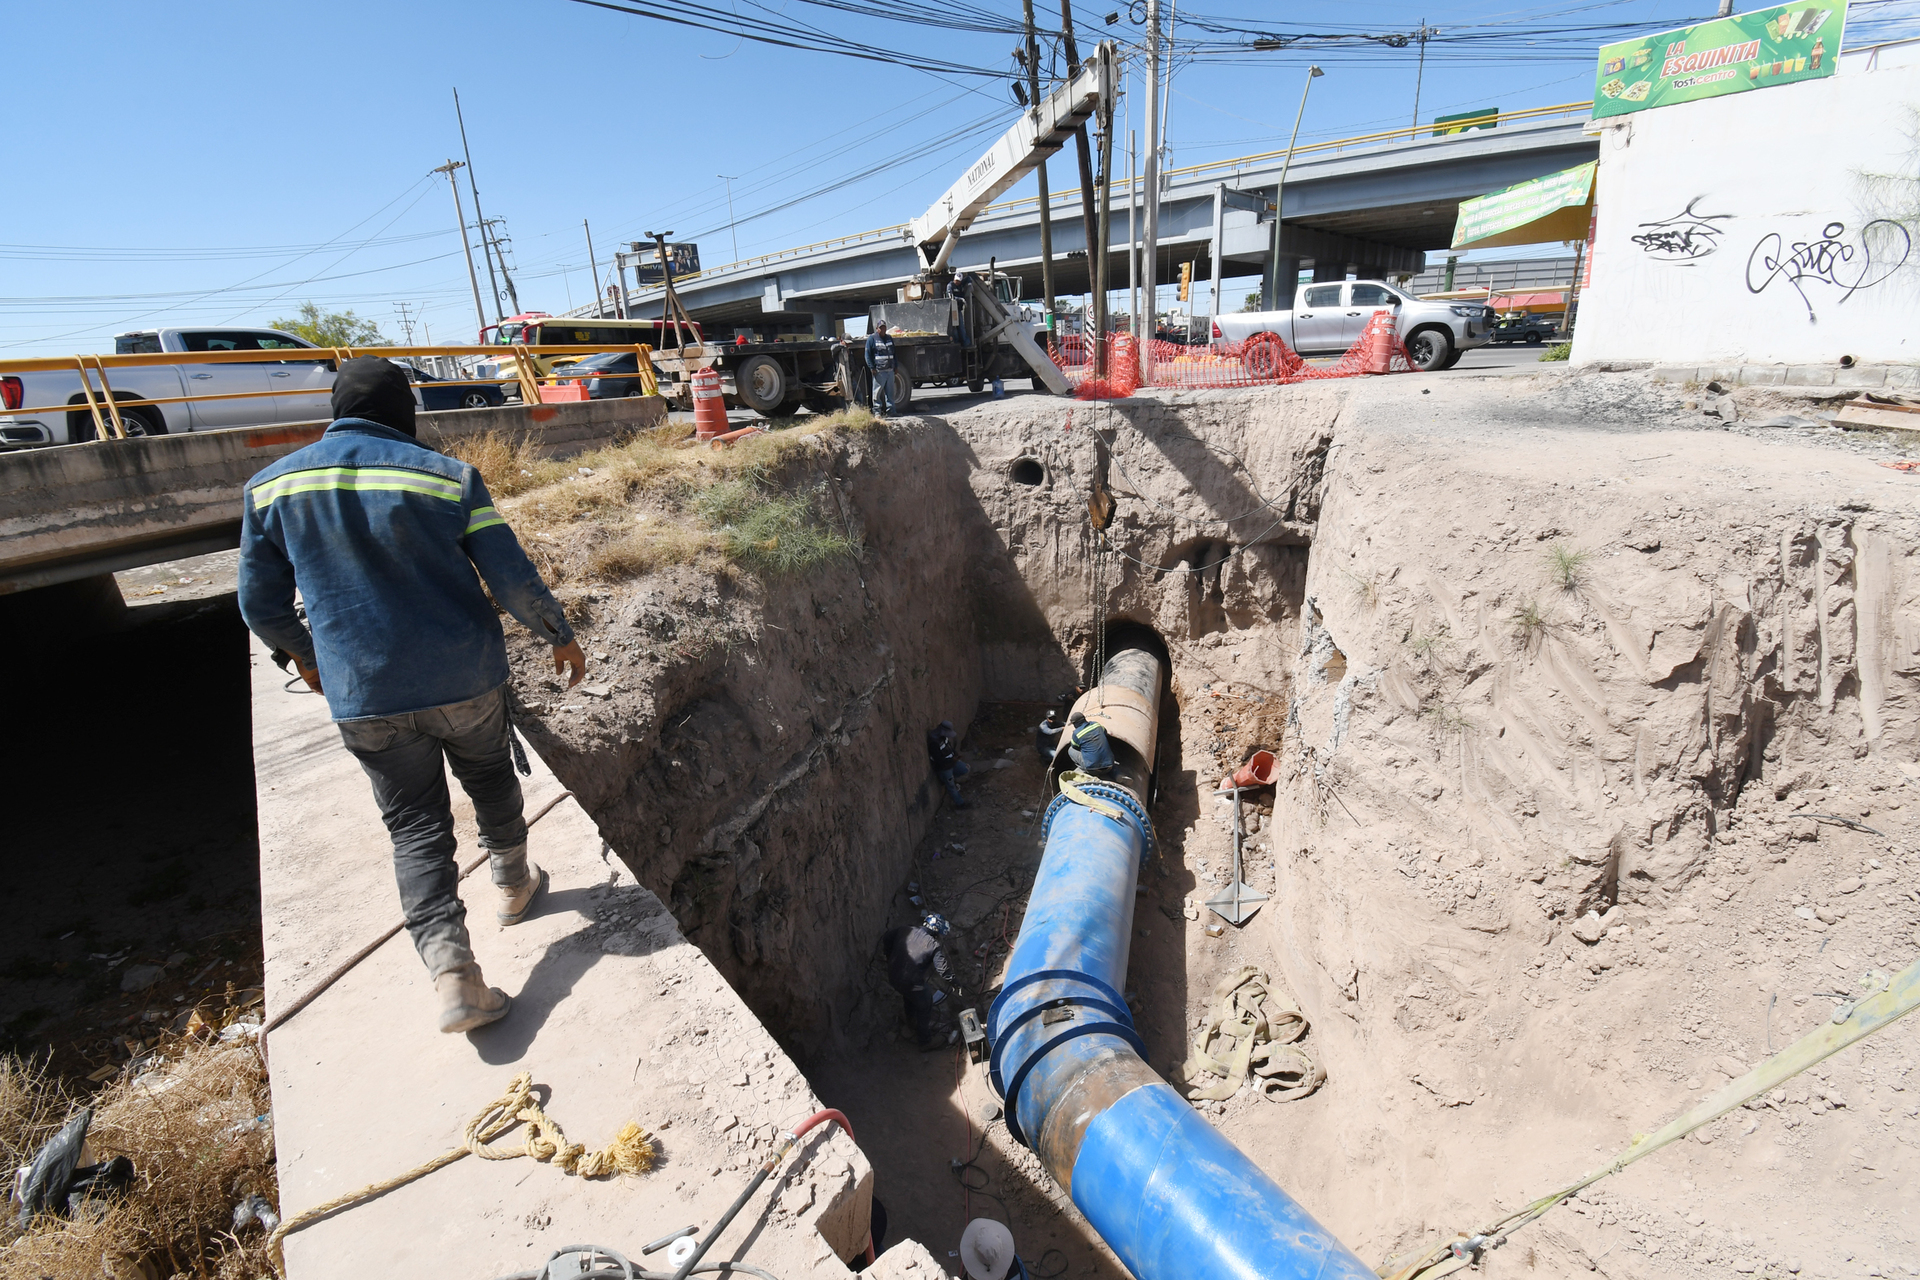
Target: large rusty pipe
column 1167, row 1192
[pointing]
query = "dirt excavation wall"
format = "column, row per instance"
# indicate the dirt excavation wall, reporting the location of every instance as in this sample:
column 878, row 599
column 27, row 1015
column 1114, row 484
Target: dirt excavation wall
column 1557, row 668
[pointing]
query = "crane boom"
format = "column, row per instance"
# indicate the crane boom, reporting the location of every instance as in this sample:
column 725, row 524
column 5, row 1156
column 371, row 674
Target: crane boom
column 1041, row 130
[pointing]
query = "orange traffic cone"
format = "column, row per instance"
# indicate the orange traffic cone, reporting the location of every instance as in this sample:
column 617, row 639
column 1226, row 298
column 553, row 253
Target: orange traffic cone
column 709, row 408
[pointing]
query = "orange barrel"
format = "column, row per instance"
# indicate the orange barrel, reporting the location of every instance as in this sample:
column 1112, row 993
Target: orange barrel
column 1380, row 342
column 709, row 409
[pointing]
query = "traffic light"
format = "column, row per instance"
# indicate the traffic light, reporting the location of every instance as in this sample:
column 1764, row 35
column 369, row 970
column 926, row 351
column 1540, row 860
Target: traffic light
column 1186, row 281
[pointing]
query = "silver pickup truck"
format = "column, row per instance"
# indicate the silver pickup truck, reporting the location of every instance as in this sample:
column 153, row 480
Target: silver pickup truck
column 309, row 382
column 1329, row 318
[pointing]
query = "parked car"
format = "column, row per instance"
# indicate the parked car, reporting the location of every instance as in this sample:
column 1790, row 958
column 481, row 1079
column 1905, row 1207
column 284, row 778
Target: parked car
column 1532, row 330
column 1329, row 318
column 439, row 393
column 616, row 374
column 243, row 386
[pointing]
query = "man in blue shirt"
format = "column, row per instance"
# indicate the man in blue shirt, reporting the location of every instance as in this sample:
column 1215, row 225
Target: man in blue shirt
column 387, row 543
column 880, row 366
column 1088, row 747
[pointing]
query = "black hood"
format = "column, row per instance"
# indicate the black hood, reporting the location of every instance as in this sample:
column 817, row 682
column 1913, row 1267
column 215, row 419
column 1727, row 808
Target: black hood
column 375, row 389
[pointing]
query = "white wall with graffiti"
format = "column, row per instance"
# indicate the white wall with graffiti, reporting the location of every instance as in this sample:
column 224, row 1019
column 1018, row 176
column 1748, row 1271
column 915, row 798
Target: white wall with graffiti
column 1774, row 227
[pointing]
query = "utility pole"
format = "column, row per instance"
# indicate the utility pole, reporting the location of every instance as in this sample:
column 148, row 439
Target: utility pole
column 1726, row 8
column 1133, row 235
column 730, row 226
column 1046, row 199
column 1099, row 251
column 500, row 248
column 593, row 267
column 460, row 221
column 1080, row 146
column 1150, row 253
column 480, row 218
column 1420, row 75
column 1281, row 301
column 406, row 321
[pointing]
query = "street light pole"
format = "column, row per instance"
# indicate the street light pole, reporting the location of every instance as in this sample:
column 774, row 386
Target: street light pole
column 460, row 220
column 1150, row 251
column 1421, row 74
column 1283, row 301
column 730, row 226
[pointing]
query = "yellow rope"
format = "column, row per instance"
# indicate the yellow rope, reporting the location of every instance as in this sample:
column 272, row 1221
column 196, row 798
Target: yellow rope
column 631, row 1151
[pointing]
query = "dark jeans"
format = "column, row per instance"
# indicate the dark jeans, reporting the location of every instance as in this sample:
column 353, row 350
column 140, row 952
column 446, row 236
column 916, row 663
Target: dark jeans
column 406, row 758
column 922, row 1011
column 947, row 779
column 883, row 392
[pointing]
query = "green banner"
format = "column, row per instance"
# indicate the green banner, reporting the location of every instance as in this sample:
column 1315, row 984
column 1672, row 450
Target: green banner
column 1500, row 216
column 1754, row 50
column 1484, row 118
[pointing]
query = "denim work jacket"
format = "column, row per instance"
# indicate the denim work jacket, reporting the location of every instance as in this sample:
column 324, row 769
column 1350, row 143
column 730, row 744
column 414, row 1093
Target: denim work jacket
column 382, row 537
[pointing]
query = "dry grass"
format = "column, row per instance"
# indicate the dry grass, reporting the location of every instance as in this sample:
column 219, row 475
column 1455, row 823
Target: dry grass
column 659, row 500
column 194, row 1128
column 1567, row 566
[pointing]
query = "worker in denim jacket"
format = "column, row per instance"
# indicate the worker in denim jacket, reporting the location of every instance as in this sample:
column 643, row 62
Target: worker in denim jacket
column 393, row 549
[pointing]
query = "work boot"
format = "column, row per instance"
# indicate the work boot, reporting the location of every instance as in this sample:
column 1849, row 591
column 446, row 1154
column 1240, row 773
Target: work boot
column 466, row 1001
column 516, row 900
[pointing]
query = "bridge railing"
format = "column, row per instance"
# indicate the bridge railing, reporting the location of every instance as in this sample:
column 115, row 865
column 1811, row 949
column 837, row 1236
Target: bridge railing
column 96, row 398
column 1235, row 165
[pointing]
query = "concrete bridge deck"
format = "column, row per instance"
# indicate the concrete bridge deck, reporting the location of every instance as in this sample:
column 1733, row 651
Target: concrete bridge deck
column 617, row 1016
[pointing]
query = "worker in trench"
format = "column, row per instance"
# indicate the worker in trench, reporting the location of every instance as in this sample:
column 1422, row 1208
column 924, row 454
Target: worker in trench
column 987, row 1252
column 943, row 753
column 916, row 962
column 383, row 537
column 880, row 368
column 1088, row 747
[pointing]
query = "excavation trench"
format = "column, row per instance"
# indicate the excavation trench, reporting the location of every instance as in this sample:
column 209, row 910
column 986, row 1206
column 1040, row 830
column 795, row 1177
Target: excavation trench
column 1541, row 741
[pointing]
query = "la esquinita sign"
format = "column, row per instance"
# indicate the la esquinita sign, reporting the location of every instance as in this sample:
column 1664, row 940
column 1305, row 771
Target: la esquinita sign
column 1747, row 51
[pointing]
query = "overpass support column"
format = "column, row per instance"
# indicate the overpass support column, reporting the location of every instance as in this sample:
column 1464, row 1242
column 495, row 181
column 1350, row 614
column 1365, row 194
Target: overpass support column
column 1288, row 274
column 823, row 324
column 1327, row 272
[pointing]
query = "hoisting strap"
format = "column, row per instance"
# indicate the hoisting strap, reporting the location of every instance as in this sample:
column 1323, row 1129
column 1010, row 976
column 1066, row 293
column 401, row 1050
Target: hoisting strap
column 1883, row 1001
column 1075, row 794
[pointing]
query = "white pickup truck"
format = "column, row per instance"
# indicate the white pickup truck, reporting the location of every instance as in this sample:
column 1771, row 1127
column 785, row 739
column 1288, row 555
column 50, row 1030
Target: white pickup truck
column 309, row 382
column 1329, row 318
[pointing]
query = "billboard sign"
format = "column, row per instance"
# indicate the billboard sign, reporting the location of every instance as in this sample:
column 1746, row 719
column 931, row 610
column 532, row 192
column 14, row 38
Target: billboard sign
column 684, row 257
column 1484, row 118
column 1757, row 50
column 1546, row 209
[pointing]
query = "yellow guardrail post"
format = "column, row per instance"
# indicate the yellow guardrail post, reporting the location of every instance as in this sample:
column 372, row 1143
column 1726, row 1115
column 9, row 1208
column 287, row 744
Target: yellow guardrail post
column 647, row 378
column 528, row 367
column 113, row 406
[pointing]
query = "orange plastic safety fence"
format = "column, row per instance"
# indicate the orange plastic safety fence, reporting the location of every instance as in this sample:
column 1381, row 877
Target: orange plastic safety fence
column 1263, row 360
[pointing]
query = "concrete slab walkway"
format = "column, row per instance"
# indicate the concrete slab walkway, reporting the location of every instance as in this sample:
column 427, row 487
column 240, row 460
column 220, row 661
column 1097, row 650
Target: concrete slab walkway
column 616, row 1015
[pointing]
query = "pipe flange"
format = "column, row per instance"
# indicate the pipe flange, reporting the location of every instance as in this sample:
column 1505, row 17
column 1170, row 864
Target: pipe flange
column 1105, row 791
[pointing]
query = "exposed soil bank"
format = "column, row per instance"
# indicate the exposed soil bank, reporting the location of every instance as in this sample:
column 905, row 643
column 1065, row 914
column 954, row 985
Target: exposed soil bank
column 1481, row 747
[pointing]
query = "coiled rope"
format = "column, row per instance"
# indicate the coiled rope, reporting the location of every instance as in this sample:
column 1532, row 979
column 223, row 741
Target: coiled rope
column 631, row 1151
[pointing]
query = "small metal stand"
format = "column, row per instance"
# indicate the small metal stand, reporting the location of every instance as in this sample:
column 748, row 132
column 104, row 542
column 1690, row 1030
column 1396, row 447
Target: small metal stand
column 1238, row 901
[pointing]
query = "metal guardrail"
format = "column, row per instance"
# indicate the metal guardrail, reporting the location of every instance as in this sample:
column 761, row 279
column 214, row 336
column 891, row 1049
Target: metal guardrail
column 1236, row 164
column 104, row 405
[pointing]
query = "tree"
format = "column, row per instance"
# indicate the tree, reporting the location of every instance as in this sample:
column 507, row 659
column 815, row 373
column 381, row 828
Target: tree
column 332, row 328
column 1252, row 303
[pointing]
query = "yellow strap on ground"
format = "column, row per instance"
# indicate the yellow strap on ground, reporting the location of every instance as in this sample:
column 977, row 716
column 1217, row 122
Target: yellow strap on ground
column 1884, row 1001
column 631, row 1151
column 1075, row 794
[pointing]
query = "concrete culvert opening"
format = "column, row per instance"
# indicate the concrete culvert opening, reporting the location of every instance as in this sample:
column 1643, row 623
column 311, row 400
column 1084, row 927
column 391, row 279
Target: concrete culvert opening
column 1028, row 471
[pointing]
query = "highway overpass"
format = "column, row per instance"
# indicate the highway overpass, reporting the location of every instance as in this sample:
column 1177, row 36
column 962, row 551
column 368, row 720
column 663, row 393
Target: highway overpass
column 1373, row 205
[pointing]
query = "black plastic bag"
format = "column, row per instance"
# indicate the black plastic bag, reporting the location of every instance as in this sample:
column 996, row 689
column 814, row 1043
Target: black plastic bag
column 50, row 1172
column 97, row 1181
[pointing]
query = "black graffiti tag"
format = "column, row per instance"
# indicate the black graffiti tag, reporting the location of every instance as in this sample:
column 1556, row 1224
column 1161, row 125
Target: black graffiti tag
column 1684, row 237
column 1831, row 260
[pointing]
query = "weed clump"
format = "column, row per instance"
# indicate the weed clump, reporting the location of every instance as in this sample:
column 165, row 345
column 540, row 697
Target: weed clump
column 194, row 1127
column 767, row 532
column 1567, row 565
column 1558, row 351
column 1529, row 623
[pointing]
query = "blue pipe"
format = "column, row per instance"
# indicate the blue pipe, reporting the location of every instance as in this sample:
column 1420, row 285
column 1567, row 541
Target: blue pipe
column 1169, row 1194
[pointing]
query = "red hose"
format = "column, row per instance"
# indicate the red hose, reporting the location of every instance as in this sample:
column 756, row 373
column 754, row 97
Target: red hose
column 800, row 1130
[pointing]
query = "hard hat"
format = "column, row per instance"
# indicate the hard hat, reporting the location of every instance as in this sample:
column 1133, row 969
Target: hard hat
column 986, row 1250
column 937, row 924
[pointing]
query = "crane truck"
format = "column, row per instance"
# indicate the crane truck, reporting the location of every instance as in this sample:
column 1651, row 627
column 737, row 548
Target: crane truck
column 944, row 335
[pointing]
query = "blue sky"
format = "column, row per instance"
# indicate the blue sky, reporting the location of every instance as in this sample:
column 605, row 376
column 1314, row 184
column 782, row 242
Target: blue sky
column 225, row 162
